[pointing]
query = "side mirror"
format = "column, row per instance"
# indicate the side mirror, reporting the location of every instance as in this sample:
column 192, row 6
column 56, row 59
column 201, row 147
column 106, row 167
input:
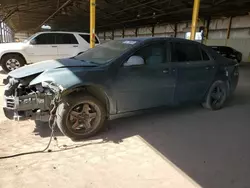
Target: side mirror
column 134, row 61
column 33, row 42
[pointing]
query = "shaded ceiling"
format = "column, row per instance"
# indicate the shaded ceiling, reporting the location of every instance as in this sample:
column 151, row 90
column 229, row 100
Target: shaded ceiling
column 29, row 15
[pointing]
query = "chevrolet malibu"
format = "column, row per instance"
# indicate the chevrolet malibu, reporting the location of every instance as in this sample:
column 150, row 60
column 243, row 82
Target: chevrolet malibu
column 117, row 79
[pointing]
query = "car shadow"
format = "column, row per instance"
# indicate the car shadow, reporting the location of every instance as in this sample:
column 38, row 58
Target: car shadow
column 43, row 130
column 211, row 147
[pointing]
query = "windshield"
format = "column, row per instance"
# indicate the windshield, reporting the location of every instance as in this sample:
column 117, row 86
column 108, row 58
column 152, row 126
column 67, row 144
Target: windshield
column 104, row 53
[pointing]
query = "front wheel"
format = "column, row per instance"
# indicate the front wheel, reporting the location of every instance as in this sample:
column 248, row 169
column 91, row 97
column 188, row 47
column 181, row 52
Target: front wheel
column 216, row 96
column 11, row 62
column 80, row 117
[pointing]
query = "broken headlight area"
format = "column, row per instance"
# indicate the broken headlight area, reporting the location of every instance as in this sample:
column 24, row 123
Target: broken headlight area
column 24, row 102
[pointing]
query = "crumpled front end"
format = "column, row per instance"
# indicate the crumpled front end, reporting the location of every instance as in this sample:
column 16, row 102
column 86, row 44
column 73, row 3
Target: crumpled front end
column 22, row 101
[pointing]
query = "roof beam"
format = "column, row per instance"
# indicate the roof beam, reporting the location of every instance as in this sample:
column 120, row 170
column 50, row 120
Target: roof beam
column 52, row 15
column 151, row 7
column 137, row 6
column 148, row 17
column 9, row 14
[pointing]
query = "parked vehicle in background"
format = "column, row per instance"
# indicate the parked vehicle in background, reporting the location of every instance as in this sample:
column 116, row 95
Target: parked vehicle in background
column 228, row 52
column 117, row 79
column 43, row 46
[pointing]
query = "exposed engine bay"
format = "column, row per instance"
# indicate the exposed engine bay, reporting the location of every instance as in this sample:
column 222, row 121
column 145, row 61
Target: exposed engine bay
column 23, row 101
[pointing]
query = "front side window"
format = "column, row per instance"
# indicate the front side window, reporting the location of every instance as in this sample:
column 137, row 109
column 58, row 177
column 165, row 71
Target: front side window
column 183, row 52
column 106, row 52
column 86, row 37
column 46, row 38
column 153, row 54
column 65, row 38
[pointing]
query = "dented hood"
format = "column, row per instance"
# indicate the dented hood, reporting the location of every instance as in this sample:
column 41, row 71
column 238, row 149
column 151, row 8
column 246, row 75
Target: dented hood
column 40, row 67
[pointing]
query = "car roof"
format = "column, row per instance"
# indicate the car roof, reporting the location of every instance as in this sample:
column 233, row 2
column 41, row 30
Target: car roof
column 221, row 46
column 141, row 39
column 63, row 32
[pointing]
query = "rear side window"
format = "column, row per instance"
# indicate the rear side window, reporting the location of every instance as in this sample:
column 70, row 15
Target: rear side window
column 46, row 38
column 181, row 52
column 87, row 38
column 65, row 38
column 226, row 49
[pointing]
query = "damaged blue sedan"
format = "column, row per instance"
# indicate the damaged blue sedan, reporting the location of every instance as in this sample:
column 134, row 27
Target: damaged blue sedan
column 117, row 79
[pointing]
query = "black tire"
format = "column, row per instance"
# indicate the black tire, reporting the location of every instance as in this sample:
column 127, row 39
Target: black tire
column 214, row 101
column 17, row 59
column 63, row 115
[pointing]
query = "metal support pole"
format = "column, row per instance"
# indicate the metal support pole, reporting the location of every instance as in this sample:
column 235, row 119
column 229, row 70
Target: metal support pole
column 92, row 23
column 153, row 31
column 113, row 34
column 195, row 18
column 4, row 33
column 136, row 32
column 207, row 27
column 1, row 23
column 123, row 32
column 175, row 30
column 229, row 28
column 104, row 35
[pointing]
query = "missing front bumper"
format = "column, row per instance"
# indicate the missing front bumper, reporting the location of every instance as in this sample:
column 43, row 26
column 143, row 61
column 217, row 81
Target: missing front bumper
column 26, row 115
column 34, row 106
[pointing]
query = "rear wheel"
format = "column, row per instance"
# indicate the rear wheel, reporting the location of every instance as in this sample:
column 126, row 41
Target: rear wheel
column 11, row 62
column 216, row 96
column 80, row 117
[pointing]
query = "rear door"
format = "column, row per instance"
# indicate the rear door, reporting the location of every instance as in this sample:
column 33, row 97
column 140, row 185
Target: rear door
column 67, row 45
column 42, row 47
column 194, row 70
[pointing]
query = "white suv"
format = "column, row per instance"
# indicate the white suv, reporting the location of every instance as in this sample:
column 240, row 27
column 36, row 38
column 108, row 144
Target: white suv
column 43, row 46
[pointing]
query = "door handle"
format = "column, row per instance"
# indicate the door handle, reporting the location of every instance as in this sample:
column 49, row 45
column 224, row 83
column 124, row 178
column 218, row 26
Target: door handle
column 209, row 67
column 53, row 46
column 75, row 46
column 166, row 71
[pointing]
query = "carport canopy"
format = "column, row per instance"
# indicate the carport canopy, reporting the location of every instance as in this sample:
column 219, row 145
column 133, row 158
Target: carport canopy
column 74, row 15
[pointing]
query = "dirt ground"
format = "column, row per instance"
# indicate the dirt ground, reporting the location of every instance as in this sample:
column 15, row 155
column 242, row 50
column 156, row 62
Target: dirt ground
column 182, row 147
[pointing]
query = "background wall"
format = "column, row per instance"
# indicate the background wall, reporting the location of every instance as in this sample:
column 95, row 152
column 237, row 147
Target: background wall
column 239, row 37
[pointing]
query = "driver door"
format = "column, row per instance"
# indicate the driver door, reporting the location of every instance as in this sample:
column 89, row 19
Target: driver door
column 42, row 47
column 148, row 85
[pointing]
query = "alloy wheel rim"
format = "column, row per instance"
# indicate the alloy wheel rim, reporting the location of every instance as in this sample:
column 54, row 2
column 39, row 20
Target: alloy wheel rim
column 83, row 118
column 13, row 64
